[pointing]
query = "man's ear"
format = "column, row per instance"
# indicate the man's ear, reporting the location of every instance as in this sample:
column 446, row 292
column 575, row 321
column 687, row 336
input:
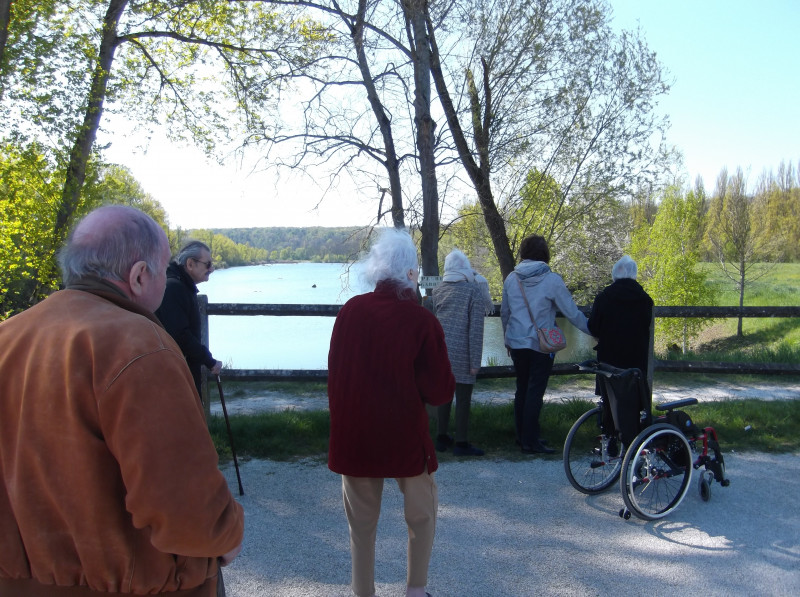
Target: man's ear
column 135, row 278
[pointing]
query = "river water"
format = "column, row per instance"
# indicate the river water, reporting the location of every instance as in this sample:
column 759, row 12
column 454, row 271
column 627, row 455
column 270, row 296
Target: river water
column 269, row 342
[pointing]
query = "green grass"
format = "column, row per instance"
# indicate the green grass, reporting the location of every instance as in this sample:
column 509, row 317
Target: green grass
column 772, row 340
column 776, row 288
column 291, row 435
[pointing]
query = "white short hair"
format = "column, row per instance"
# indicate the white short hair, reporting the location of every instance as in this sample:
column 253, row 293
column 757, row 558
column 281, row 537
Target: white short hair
column 624, row 268
column 391, row 258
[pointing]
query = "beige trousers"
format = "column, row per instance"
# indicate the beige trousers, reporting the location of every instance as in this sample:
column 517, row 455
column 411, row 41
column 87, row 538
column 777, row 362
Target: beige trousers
column 362, row 504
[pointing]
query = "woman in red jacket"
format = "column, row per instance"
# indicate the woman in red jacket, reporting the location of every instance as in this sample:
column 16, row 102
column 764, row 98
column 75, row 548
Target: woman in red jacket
column 387, row 360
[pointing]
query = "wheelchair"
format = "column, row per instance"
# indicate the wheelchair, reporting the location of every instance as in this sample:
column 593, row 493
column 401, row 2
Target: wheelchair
column 651, row 457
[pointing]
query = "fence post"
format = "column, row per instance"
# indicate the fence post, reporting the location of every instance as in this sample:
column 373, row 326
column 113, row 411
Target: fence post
column 651, row 358
column 202, row 301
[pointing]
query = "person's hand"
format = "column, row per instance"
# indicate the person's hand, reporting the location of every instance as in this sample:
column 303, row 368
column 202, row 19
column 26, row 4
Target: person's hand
column 230, row 556
column 216, row 368
column 474, row 371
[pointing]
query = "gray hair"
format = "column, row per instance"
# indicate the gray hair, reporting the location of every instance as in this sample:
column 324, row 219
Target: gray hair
column 108, row 241
column 191, row 250
column 391, row 258
column 624, row 268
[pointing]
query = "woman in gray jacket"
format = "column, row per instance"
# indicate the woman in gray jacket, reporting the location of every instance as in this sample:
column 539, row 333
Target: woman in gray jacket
column 460, row 303
column 546, row 294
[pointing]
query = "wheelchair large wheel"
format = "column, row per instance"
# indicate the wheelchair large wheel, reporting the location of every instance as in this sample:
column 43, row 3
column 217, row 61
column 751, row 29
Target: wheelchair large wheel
column 656, row 471
column 589, row 466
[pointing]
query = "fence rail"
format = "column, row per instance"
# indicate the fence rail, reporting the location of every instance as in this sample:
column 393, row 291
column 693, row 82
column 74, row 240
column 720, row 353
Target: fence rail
column 248, row 309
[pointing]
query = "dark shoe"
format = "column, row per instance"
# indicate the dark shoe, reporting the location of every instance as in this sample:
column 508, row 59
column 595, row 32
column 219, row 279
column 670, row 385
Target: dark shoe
column 443, row 442
column 537, row 449
column 467, row 449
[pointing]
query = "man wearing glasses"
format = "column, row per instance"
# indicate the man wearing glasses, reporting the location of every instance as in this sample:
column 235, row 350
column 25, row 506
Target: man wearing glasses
column 180, row 312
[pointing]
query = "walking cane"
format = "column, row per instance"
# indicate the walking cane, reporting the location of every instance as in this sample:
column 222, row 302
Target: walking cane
column 230, row 435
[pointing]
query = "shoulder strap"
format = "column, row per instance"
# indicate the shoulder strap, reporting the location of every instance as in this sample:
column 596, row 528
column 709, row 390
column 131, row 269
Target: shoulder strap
column 525, row 298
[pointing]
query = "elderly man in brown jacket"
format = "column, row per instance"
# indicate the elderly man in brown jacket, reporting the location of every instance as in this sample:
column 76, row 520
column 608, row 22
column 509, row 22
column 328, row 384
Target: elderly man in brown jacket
column 109, row 479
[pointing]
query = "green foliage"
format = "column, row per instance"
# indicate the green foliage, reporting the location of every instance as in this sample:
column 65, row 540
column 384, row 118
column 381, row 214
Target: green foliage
column 46, row 69
column 776, row 210
column 203, row 67
column 667, row 255
column 584, row 244
column 470, row 235
column 315, row 243
column 29, row 192
column 111, row 183
column 224, row 251
column 585, row 235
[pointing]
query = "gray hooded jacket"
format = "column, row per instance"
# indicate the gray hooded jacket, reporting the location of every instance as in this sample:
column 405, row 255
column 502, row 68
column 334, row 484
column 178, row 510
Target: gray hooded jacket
column 546, row 293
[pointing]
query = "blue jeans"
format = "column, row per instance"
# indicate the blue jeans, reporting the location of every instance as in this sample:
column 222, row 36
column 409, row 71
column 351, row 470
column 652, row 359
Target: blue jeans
column 533, row 371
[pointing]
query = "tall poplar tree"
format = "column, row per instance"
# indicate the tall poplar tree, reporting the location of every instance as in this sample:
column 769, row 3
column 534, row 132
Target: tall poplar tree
column 742, row 254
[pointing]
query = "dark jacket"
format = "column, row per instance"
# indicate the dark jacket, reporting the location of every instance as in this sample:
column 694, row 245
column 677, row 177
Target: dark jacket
column 180, row 314
column 387, row 360
column 620, row 320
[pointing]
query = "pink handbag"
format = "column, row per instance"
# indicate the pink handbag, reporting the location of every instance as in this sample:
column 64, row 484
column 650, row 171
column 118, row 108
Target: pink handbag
column 550, row 339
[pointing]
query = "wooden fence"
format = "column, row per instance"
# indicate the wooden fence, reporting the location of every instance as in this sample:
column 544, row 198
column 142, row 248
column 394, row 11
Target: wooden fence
column 241, row 309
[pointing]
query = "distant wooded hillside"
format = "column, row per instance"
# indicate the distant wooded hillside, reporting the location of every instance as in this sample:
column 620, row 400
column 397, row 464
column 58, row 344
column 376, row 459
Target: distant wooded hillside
column 315, row 243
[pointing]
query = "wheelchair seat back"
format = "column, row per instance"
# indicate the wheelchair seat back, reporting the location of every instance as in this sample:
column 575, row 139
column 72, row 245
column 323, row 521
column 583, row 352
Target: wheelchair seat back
column 628, row 399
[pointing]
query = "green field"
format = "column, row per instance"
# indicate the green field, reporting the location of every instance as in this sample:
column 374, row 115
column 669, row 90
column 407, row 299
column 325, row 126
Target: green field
column 764, row 339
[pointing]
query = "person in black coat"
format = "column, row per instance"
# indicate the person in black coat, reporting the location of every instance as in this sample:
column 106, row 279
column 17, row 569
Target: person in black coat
column 620, row 319
column 180, row 312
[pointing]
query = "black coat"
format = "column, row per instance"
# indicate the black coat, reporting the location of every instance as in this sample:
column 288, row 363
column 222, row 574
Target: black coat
column 620, row 320
column 180, row 314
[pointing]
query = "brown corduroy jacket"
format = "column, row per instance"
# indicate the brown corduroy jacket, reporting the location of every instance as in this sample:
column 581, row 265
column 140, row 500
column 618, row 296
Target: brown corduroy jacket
column 110, row 481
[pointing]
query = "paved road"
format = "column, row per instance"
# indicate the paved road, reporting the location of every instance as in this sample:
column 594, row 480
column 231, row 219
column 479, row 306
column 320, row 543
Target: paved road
column 519, row 529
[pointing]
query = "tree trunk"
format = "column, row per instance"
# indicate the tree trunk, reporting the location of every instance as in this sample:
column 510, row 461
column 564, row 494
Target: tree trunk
column 82, row 149
column 421, row 57
column 480, row 178
column 5, row 21
column 390, row 163
column 739, row 332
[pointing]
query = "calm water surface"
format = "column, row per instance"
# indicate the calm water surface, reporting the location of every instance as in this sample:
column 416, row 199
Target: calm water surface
column 261, row 342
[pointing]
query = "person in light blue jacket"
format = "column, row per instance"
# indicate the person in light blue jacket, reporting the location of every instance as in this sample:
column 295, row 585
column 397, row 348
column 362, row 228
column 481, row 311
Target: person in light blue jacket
column 546, row 294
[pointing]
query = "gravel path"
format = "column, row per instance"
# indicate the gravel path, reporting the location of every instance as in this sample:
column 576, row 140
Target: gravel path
column 519, row 529
column 721, row 389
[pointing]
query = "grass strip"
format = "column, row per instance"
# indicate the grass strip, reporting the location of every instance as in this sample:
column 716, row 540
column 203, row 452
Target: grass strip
column 742, row 426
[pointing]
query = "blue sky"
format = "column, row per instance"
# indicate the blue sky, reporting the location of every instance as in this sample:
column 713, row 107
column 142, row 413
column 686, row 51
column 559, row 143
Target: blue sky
column 735, row 99
column 734, row 102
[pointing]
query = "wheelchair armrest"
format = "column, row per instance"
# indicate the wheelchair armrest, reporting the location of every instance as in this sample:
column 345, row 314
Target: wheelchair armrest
column 676, row 404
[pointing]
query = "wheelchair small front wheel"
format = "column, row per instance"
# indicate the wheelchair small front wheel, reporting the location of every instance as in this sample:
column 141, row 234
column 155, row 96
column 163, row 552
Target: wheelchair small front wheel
column 705, row 489
column 592, row 460
column 656, row 471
